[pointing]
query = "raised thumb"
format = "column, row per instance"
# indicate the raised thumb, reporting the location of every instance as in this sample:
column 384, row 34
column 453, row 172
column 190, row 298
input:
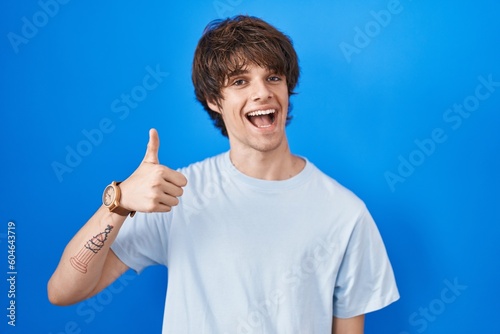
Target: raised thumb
column 152, row 149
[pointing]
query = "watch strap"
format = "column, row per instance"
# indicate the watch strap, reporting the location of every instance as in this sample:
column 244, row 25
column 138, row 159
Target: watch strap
column 117, row 208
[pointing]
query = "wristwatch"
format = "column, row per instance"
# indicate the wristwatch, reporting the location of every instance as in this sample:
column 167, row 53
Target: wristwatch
column 111, row 199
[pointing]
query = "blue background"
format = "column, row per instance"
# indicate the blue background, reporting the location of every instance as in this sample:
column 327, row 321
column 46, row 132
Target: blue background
column 358, row 116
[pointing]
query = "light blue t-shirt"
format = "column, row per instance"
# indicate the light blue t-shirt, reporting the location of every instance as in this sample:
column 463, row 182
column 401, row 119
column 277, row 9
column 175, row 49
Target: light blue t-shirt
column 252, row 256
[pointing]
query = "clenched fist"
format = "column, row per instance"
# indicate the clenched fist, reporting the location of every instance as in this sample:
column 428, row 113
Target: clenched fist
column 152, row 187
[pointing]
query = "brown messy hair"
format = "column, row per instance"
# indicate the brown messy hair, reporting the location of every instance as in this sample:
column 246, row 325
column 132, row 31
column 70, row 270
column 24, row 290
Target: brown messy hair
column 228, row 46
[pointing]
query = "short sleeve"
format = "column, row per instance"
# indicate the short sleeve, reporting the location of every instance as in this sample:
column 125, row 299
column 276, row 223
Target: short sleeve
column 365, row 281
column 143, row 240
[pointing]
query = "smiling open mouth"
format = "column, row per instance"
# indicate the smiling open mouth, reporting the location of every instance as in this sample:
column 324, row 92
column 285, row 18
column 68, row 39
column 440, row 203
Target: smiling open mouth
column 262, row 118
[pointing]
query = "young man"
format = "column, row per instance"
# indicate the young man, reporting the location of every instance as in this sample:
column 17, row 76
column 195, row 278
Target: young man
column 259, row 240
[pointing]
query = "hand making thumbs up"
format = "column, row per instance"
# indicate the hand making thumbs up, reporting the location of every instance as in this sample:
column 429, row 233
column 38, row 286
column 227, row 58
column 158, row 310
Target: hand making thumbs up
column 152, row 187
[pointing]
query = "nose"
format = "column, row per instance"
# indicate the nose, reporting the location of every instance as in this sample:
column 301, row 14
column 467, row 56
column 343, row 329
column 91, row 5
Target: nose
column 261, row 91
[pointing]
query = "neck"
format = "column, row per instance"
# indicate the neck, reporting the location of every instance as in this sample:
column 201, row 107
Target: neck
column 275, row 165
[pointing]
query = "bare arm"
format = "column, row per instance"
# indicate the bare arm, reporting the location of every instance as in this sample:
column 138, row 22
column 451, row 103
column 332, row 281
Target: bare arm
column 88, row 264
column 353, row 325
column 81, row 268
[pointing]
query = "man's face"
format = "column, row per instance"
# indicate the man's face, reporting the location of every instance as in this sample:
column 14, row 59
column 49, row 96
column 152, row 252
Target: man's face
column 254, row 108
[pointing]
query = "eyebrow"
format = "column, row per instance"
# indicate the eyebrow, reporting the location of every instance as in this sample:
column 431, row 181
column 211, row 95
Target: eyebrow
column 237, row 73
column 244, row 71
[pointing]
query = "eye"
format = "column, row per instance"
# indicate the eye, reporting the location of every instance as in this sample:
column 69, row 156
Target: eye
column 274, row 78
column 238, row 82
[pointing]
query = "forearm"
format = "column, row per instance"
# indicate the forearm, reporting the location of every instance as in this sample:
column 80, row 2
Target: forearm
column 353, row 325
column 82, row 262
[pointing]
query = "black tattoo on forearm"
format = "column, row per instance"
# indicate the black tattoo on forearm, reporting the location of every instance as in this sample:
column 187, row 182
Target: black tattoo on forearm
column 91, row 248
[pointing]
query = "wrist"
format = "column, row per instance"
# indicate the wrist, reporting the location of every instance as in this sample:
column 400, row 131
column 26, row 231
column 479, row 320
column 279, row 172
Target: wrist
column 111, row 199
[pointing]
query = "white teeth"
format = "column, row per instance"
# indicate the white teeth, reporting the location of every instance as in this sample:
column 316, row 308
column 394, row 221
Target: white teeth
column 261, row 112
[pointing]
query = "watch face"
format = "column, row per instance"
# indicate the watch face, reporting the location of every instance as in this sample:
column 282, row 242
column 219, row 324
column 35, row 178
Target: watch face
column 108, row 196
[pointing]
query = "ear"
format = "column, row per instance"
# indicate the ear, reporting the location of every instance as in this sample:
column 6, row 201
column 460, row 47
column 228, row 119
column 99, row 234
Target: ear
column 213, row 106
